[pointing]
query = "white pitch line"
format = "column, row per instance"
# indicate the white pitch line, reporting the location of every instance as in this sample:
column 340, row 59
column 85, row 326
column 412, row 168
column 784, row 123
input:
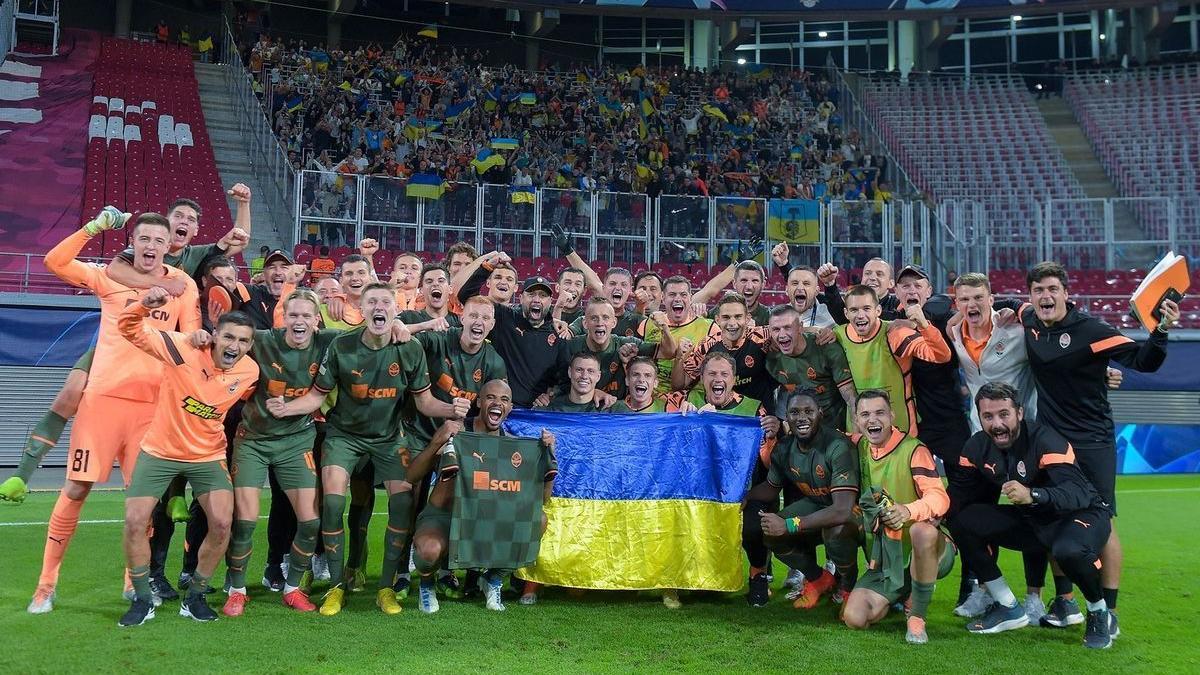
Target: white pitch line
column 114, row 521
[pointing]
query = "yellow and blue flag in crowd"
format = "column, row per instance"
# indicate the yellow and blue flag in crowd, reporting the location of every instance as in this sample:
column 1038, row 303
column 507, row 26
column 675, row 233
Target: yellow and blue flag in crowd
column 713, row 111
column 505, row 143
column 759, row 71
column 426, row 185
column 527, row 98
column 644, row 501
column 453, row 111
column 430, row 31
column 522, row 194
column 796, row 221
column 485, row 160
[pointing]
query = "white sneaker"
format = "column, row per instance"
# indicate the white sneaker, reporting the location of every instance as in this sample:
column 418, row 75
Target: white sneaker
column 528, row 599
column 43, row 600
column 975, row 604
column 492, row 593
column 670, row 598
column 320, row 568
column 830, row 567
column 1035, row 609
column 427, row 600
column 795, row 579
column 284, row 566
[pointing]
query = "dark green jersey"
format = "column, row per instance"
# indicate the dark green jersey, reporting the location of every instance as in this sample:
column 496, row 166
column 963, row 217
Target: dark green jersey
column 761, row 314
column 657, row 404
column 411, row 316
column 627, row 324
column 612, row 370
column 282, row 371
column 372, row 386
column 570, row 316
column 829, row 465
column 563, row 403
column 822, row 368
column 499, row 489
column 453, row 373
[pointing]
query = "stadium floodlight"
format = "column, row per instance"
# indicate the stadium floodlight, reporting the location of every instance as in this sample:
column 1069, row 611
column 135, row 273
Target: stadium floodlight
column 1038, row 86
column 1017, row 17
column 741, row 61
column 823, row 34
column 1103, row 36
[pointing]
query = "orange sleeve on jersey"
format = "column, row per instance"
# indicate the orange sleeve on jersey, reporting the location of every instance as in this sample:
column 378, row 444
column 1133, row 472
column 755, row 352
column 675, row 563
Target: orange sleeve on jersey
column 61, row 261
column 189, row 306
column 277, row 315
column 928, row 345
column 158, row 344
column 1067, row 456
column 933, row 502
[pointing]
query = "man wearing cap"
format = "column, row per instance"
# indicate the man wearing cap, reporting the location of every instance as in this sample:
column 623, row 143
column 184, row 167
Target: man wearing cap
column 524, row 337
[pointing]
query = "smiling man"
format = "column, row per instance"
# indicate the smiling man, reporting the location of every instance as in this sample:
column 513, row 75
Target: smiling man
column 524, row 338
column 641, row 383
column 186, row 437
column 819, row 462
column 901, row 498
column 881, row 355
column 1069, row 352
column 583, row 373
column 685, row 327
column 613, row 351
column 1052, row 507
column 374, row 377
column 798, row 363
column 747, row 278
column 119, row 400
column 802, row 292
column 568, row 301
column 746, row 344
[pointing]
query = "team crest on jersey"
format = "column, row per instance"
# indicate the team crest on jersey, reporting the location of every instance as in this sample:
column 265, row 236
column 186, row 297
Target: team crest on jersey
column 749, row 360
column 233, row 387
column 477, row 376
column 811, row 373
column 516, row 460
column 1064, row 340
column 1021, row 468
column 393, row 369
column 1000, row 347
column 551, row 339
column 820, row 471
column 612, row 367
column 312, row 369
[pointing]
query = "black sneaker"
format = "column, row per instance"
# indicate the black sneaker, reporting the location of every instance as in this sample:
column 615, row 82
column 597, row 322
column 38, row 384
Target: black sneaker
column 272, row 579
column 1096, row 635
column 998, row 619
column 163, row 589
column 759, row 592
column 1114, row 628
column 470, row 585
column 196, row 607
column 1062, row 613
column 449, row 586
column 140, row 611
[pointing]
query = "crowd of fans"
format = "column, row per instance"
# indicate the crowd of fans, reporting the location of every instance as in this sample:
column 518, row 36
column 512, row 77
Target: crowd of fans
column 420, row 107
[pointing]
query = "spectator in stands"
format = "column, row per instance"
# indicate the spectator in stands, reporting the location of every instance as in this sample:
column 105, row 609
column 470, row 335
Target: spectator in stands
column 322, row 265
column 161, row 32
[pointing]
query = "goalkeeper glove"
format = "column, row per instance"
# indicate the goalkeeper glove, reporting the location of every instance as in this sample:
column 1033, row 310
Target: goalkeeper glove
column 563, row 240
column 109, row 218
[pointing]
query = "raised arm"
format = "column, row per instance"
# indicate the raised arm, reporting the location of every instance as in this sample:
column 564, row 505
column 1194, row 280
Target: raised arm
column 132, row 326
column 61, row 261
column 470, row 279
column 714, row 286
column 234, row 245
column 424, row 462
column 925, row 343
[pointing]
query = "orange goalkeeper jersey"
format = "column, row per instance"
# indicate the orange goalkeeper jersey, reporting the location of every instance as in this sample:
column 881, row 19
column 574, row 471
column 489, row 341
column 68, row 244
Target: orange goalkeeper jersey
column 119, row 369
column 194, row 395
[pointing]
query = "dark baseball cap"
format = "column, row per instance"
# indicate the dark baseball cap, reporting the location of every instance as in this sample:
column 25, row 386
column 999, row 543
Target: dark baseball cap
column 913, row 269
column 277, row 254
column 537, row 282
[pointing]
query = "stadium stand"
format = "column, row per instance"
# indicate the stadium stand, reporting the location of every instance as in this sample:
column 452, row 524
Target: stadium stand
column 147, row 142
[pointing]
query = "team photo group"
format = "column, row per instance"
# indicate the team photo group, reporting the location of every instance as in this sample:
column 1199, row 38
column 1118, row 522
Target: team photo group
column 900, row 426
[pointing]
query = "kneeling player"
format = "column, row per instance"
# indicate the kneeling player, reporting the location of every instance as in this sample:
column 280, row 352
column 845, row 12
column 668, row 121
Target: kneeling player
column 1053, row 507
column 902, row 496
column 823, row 466
column 185, row 438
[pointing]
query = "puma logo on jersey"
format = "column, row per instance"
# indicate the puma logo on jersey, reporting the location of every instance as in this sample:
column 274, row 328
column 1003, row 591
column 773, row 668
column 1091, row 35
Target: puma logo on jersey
column 990, row 467
column 356, row 373
column 1085, row 525
column 478, row 456
column 277, row 367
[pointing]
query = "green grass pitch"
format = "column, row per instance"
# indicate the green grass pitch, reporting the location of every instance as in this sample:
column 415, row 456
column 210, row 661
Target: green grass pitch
column 598, row 632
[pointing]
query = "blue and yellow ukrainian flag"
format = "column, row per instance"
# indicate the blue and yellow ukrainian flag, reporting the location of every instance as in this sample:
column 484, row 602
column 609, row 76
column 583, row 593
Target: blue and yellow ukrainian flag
column 505, row 143
column 485, row 160
column 426, row 185
column 644, row 501
column 759, row 71
column 452, row 112
column 714, row 111
column 522, row 194
column 796, row 221
column 527, row 98
column 430, row 31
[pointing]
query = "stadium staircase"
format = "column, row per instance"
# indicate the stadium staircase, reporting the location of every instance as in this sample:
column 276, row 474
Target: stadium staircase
column 233, row 161
column 1082, row 162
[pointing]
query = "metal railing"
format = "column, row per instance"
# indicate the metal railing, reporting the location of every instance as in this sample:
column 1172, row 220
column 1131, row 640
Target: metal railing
column 268, row 160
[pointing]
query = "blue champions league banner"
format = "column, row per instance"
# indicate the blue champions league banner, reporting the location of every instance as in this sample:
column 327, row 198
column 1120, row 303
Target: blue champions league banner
column 1158, row 448
column 38, row 336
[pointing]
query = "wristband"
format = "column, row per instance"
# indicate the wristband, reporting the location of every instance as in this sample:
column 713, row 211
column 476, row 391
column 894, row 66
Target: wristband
column 793, row 525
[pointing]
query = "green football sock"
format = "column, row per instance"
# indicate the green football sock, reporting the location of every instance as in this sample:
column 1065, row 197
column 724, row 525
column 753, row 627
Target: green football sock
column 333, row 534
column 395, row 540
column 198, row 585
column 300, row 558
column 41, row 441
column 140, row 578
column 240, row 546
column 922, row 594
column 843, row 551
column 801, row 558
column 359, row 522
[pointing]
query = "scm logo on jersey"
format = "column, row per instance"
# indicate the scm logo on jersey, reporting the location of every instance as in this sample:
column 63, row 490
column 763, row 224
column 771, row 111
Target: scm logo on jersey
column 362, row 391
column 199, row 409
column 482, row 480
